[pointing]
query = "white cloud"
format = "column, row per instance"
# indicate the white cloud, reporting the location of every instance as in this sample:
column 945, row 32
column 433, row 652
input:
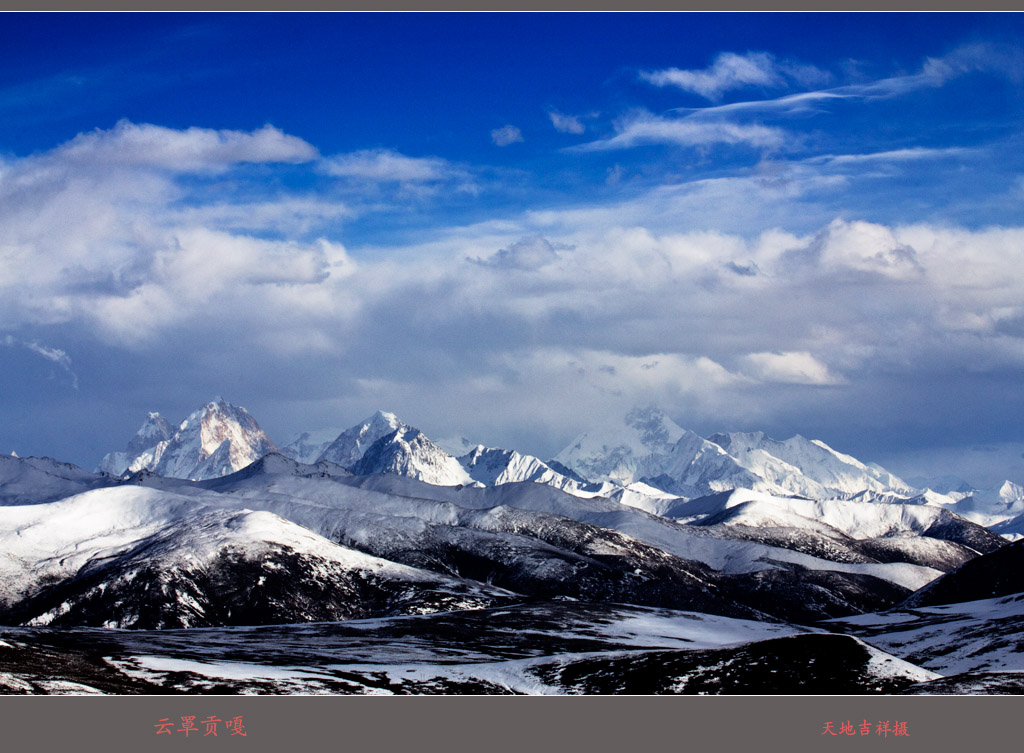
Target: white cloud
column 385, row 165
column 934, row 73
column 796, row 367
column 731, row 71
column 866, row 247
column 192, row 149
column 572, row 312
column 566, row 123
column 527, row 253
column 287, row 215
column 645, row 128
column 975, row 271
column 200, row 273
column 116, row 250
column 506, row 135
column 613, row 175
column 911, row 154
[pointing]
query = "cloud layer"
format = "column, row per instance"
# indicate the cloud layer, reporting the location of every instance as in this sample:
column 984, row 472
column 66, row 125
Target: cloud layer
column 839, row 258
column 537, row 322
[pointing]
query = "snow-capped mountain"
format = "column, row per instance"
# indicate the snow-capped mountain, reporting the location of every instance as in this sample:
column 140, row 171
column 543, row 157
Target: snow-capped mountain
column 348, row 447
column 624, row 453
column 308, row 446
column 383, row 443
column 760, row 561
column 922, row 534
column 154, row 430
column 651, row 448
column 456, row 446
column 647, row 461
column 996, row 507
column 215, row 440
column 695, row 466
column 493, row 466
column 408, row 452
column 761, row 540
column 808, row 467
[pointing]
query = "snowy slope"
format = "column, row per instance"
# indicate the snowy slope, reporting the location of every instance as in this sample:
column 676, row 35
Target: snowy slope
column 436, row 527
column 687, row 542
column 997, row 573
column 986, row 635
column 493, row 467
column 29, row 481
column 551, row 647
column 856, row 519
column 808, row 467
column 695, row 467
column 138, row 557
column 995, row 508
column 529, row 551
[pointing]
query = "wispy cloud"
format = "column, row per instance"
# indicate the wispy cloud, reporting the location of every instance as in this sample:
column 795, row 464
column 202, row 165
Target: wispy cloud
column 386, row 165
column 566, row 123
column 732, row 71
column 646, row 128
column 53, row 355
column 506, row 135
column 287, row 215
column 890, row 156
column 934, row 73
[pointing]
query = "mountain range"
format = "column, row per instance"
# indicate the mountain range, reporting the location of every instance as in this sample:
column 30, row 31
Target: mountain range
column 209, row 524
column 644, row 461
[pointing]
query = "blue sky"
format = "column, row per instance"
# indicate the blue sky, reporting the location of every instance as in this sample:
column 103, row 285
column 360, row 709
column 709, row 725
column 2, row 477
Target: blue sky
column 514, row 226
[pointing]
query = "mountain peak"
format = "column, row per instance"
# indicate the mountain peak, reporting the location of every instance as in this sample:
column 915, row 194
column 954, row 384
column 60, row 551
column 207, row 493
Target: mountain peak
column 625, row 452
column 215, row 440
column 407, row 451
column 348, row 448
column 155, row 429
column 652, row 425
column 1010, row 489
